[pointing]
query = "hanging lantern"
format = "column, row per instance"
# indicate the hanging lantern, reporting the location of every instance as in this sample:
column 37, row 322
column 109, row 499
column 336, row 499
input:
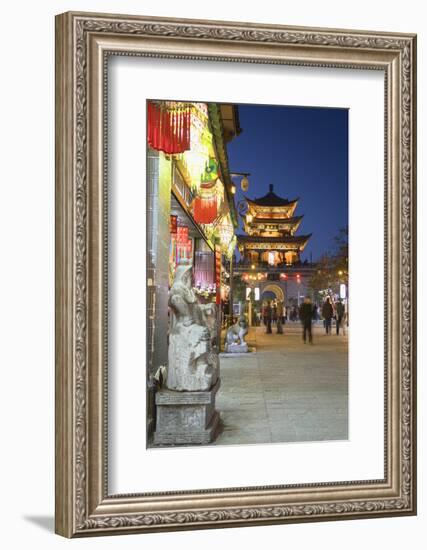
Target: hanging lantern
column 193, row 162
column 244, row 184
column 206, row 203
column 168, row 127
column 225, row 234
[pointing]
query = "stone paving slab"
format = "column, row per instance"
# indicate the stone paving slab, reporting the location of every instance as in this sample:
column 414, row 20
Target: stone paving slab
column 288, row 391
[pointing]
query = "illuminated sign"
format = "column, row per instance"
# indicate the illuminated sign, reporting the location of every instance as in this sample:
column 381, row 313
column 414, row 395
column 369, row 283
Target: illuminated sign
column 173, row 224
column 182, row 235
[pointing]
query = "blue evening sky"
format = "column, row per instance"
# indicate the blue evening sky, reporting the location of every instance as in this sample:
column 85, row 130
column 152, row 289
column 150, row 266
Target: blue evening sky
column 303, row 152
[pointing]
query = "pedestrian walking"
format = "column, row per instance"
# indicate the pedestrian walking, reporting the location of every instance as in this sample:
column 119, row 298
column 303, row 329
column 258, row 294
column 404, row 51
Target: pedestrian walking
column 327, row 314
column 274, row 310
column 279, row 312
column 315, row 313
column 268, row 317
column 294, row 314
column 306, row 317
column 345, row 319
column 340, row 311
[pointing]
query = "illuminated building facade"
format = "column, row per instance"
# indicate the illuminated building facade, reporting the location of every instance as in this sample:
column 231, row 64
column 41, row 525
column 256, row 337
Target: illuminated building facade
column 191, row 215
column 271, row 250
column 271, row 225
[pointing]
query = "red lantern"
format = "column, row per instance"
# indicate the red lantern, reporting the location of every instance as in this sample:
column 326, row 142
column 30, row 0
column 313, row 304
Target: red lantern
column 206, row 204
column 168, row 127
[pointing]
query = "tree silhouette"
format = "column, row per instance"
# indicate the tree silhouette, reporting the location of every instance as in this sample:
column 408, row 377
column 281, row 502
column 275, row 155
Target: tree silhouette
column 332, row 267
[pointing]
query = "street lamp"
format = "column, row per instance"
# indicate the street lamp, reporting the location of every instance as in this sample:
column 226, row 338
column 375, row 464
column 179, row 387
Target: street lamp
column 249, row 296
column 244, row 182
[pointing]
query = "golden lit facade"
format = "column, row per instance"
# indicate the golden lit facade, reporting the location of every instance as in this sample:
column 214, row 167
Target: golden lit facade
column 189, row 141
column 270, row 225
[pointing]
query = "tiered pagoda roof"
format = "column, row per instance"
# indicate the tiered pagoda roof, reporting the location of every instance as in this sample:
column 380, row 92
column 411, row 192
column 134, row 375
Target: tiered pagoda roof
column 270, row 224
column 271, row 205
column 271, row 199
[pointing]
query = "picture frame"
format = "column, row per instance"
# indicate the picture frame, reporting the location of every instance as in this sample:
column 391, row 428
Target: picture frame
column 84, row 42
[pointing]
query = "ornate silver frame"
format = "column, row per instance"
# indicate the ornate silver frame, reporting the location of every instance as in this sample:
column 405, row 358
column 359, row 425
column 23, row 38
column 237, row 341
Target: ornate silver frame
column 83, row 506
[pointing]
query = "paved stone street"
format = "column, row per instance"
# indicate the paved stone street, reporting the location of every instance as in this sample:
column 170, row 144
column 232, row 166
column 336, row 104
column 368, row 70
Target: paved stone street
column 287, row 390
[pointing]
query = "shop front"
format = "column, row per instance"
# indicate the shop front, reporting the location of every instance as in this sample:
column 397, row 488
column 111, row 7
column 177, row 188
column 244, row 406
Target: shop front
column 191, row 212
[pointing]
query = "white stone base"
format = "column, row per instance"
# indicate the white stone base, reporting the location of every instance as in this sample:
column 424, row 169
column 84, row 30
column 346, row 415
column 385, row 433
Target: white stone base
column 237, row 348
column 225, row 354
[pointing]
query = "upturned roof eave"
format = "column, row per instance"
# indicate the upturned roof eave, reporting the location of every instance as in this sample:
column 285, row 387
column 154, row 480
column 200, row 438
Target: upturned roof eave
column 258, row 239
column 221, row 150
column 282, row 203
column 292, row 220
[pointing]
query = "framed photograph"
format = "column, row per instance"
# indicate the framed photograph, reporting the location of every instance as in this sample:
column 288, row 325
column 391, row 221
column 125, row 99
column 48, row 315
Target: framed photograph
column 235, row 274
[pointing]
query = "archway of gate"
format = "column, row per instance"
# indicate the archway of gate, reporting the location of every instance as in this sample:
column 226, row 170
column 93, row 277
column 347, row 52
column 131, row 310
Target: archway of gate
column 273, row 291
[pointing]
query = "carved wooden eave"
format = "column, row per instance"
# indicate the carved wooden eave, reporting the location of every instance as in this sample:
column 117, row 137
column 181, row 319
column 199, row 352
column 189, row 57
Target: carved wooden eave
column 273, row 224
column 273, row 243
column 274, row 211
column 222, row 155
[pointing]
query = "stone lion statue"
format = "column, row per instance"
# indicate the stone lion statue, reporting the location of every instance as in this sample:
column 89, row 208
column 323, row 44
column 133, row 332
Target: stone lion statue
column 193, row 362
column 235, row 337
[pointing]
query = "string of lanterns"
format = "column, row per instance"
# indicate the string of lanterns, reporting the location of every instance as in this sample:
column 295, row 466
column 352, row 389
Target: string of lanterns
column 182, row 129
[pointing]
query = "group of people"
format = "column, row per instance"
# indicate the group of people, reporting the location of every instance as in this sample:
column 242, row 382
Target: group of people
column 335, row 311
column 307, row 313
column 274, row 314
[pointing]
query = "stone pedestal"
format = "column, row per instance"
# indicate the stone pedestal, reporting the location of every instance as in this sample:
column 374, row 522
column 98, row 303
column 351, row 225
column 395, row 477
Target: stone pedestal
column 237, row 348
column 186, row 417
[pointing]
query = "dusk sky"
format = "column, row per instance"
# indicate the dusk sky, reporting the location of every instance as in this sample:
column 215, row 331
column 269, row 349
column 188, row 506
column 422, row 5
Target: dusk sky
column 303, row 152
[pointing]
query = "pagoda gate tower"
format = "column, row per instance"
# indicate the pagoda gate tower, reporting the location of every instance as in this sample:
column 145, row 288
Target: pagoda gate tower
column 271, row 251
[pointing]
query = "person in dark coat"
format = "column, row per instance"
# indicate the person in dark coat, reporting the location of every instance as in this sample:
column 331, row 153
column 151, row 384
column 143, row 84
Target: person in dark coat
column 279, row 311
column 264, row 314
column 274, row 310
column 268, row 314
column 327, row 314
column 294, row 314
column 306, row 317
column 339, row 308
column 315, row 313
